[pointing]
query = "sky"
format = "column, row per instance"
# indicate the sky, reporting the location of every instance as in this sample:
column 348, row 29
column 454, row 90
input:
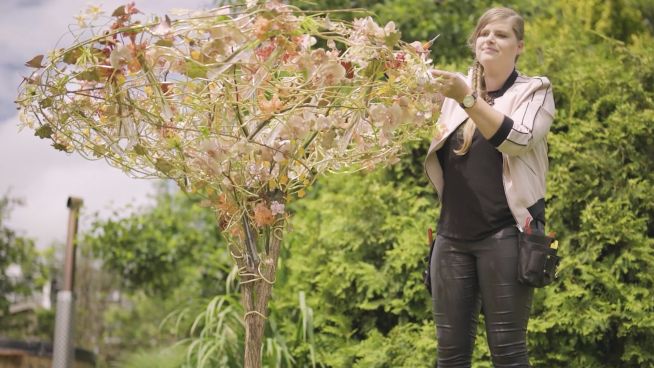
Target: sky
column 30, row 169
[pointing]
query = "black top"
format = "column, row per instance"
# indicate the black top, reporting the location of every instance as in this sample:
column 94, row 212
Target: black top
column 474, row 204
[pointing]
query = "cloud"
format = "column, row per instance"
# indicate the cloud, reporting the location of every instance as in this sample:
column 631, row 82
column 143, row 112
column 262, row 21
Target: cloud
column 29, row 28
column 45, row 178
column 29, row 167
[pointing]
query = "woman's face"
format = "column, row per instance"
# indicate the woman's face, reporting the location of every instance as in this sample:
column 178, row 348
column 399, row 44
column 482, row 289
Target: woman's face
column 497, row 45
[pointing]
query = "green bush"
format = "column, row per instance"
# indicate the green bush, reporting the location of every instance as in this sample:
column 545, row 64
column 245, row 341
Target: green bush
column 358, row 240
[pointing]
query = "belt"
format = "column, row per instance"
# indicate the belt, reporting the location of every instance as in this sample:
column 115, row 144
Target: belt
column 506, row 232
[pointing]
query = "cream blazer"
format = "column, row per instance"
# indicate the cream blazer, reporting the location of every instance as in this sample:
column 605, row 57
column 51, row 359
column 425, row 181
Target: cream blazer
column 530, row 104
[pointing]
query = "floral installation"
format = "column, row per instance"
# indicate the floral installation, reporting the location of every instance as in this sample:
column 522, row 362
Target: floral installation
column 244, row 104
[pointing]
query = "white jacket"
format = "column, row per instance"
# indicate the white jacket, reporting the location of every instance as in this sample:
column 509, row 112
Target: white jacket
column 530, row 104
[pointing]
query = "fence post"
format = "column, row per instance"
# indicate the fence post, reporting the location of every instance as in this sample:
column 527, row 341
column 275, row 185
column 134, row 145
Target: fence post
column 62, row 355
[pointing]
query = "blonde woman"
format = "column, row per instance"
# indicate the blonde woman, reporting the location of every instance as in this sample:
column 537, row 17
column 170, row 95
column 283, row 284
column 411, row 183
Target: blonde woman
column 488, row 165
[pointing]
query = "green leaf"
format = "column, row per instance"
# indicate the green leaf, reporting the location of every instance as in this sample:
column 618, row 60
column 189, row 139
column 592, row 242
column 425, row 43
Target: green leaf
column 392, row 39
column 140, row 150
column 164, row 166
column 119, row 12
column 46, row 102
column 373, row 68
column 44, row 131
column 165, row 43
column 60, row 147
column 195, row 70
column 71, row 56
column 174, row 142
column 90, row 75
column 35, row 62
column 99, row 150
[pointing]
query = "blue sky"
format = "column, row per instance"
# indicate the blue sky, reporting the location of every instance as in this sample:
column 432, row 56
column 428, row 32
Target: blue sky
column 29, row 167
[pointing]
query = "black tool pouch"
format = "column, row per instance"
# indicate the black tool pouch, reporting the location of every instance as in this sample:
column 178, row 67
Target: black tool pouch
column 537, row 261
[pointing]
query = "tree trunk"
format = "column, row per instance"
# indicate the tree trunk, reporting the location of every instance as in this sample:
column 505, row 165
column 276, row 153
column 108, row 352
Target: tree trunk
column 254, row 327
column 255, row 296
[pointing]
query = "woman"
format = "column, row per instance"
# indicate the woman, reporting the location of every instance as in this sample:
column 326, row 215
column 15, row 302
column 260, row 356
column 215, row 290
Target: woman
column 488, row 165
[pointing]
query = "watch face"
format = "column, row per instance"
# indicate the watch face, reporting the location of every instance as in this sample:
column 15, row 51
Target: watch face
column 468, row 101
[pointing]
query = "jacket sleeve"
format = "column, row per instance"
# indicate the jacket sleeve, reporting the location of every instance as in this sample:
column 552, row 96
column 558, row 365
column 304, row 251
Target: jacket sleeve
column 529, row 122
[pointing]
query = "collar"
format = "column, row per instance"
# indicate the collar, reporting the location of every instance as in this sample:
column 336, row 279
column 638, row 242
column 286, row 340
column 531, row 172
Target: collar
column 507, row 84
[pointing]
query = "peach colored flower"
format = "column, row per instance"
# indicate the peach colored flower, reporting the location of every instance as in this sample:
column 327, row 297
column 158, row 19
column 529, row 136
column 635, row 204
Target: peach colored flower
column 421, row 48
column 318, row 56
column 237, row 232
column 226, row 206
column 271, row 106
column 379, row 115
column 263, row 215
column 261, row 27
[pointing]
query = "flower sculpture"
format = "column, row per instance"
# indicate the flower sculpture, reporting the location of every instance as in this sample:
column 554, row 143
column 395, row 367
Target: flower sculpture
column 245, row 104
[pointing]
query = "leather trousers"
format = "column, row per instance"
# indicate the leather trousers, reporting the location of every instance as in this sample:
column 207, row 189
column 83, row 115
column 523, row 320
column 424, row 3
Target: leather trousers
column 467, row 276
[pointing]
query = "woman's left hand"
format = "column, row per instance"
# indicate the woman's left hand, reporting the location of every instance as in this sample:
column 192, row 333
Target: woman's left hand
column 451, row 85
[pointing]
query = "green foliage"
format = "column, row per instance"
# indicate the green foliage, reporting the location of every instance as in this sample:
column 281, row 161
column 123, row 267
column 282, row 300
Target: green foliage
column 29, row 273
column 356, row 249
column 217, row 334
column 172, row 357
column 185, row 293
column 600, row 186
column 419, row 20
column 136, row 323
column 599, row 56
column 407, row 345
column 150, row 248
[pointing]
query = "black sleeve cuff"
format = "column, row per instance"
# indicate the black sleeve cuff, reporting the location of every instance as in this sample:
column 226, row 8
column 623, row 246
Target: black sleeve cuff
column 502, row 132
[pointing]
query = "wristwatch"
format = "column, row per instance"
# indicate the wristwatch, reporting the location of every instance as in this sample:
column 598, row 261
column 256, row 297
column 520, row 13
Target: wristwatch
column 469, row 100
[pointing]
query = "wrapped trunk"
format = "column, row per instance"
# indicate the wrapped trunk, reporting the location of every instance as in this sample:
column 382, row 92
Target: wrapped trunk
column 256, row 290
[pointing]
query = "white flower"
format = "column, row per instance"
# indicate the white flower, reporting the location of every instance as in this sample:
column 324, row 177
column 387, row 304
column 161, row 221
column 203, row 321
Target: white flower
column 389, row 28
column 424, row 77
column 295, row 127
column 213, row 149
column 163, row 28
column 318, row 56
column 331, row 73
column 379, row 115
column 322, row 122
column 278, row 157
column 276, row 208
column 398, row 115
column 306, row 42
column 119, row 56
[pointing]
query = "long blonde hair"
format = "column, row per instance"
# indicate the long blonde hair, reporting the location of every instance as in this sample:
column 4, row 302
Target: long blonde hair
column 478, row 81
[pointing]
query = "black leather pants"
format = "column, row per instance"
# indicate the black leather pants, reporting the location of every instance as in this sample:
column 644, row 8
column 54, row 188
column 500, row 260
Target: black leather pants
column 466, row 276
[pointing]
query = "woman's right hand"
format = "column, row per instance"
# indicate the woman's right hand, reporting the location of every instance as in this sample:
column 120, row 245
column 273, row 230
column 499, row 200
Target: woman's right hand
column 451, row 85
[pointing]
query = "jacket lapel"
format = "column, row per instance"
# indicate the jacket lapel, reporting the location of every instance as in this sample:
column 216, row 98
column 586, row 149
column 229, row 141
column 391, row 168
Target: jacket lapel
column 446, row 127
